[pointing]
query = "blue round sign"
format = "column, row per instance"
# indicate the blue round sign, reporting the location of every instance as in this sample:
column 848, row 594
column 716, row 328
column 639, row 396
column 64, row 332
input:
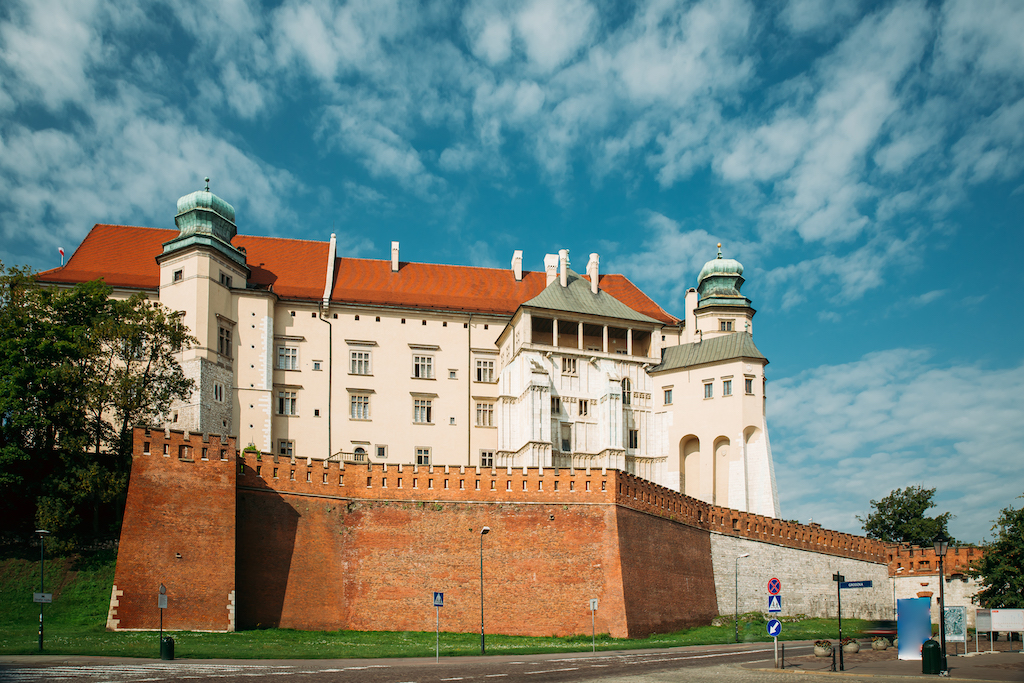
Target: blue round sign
column 774, row 627
column 774, row 587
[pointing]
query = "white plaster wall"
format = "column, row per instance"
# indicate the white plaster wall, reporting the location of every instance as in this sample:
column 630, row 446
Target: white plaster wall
column 806, row 576
column 958, row 592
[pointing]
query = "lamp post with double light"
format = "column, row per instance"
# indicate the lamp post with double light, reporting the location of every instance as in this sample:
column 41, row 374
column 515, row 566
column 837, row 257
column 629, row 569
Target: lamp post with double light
column 941, row 545
column 736, row 606
column 483, row 532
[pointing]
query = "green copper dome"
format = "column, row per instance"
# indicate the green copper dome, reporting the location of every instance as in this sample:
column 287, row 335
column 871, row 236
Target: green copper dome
column 203, row 212
column 205, row 220
column 720, row 266
column 719, row 283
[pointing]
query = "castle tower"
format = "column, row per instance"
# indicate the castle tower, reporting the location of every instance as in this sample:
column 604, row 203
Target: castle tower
column 199, row 271
column 711, row 389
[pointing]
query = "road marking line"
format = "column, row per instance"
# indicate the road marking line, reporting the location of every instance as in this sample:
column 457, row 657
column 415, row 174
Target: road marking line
column 549, row 671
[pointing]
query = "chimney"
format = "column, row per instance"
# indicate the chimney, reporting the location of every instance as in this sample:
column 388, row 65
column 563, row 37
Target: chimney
column 517, row 264
column 563, row 266
column 592, row 271
column 690, row 314
column 329, row 280
column 550, row 268
column 394, row 257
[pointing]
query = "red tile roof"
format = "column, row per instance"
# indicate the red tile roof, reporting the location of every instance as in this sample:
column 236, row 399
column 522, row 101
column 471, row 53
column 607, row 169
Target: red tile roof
column 125, row 256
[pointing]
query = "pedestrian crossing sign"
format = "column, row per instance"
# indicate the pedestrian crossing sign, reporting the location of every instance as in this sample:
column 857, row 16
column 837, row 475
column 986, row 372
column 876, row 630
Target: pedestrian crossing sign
column 774, row 603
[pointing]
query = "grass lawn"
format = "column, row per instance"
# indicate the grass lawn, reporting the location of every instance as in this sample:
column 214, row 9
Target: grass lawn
column 76, row 624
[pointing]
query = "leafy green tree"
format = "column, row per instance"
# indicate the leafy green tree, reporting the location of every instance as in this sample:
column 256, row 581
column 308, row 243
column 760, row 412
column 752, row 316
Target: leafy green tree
column 1001, row 569
column 900, row 518
column 78, row 371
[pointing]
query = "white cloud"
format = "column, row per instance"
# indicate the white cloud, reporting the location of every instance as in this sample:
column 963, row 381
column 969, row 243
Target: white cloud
column 844, row 435
column 553, row 31
column 822, row 17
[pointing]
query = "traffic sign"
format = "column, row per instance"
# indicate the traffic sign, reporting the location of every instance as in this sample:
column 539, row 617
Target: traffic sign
column 593, row 604
column 438, row 599
column 855, row 584
column 774, row 587
column 774, row 603
column 42, row 598
column 774, row 627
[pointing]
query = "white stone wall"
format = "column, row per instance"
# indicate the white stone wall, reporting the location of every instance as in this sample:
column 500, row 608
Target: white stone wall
column 958, row 591
column 806, row 576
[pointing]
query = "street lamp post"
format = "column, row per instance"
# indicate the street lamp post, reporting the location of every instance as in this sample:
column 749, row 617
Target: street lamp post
column 42, row 534
column 736, row 606
column 483, row 532
column 941, row 545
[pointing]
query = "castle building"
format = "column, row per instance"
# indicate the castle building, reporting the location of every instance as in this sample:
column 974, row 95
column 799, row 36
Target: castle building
column 305, row 353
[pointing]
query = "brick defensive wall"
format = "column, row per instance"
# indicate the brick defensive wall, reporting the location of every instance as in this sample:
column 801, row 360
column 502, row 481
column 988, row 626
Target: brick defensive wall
column 245, row 540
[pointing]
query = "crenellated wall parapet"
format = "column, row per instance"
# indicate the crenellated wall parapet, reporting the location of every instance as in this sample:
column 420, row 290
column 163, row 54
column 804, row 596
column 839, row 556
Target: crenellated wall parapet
column 183, row 445
column 533, row 485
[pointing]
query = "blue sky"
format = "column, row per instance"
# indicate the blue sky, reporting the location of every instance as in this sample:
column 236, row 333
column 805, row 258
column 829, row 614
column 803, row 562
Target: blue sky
column 864, row 161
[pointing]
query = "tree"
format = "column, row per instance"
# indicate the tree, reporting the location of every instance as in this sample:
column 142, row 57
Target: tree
column 1001, row 569
column 899, row 518
column 78, row 371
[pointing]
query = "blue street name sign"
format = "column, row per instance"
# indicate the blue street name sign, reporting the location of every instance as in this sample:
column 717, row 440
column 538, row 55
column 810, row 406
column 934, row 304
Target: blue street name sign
column 438, row 599
column 774, row 603
column 774, row 627
column 855, row 584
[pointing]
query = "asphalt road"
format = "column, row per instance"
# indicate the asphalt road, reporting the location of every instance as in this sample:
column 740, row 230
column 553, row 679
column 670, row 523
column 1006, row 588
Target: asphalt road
column 635, row 665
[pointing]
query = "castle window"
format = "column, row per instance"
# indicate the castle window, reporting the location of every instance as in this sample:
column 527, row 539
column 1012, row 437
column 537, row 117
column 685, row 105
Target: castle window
column 569, row 366
column 316, row 364
column 286, row 403
column 359, row 455
column 484, row 414
column 709, row 390
column 225, row 280
column 422, row 411
column 360, row 407
column 668, row 397
column 224, row 341
column 486, row 460
column 453, row 374
column 422, row 456
column 423, row 367
column 382, row 452
column 725, row 325
column 727, row 387
column 485, row 371
column 748, row 385
column 359, row 362
column 218, row 392
column 287, row 358
column 627, row 392
column 179, row 276
column 286, row 448
column 556, row 405
column 634, row 439
column 584, row 407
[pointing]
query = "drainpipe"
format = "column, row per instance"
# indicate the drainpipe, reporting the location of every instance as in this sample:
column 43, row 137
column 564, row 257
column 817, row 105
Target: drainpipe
column 469, row 391
column 325, row 306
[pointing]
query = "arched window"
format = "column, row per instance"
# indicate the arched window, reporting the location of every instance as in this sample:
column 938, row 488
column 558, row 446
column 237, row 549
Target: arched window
column 360, row 454
column 627, row 392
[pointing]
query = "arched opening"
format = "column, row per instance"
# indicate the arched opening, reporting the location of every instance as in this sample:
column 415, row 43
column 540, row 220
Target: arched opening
column 722, row 459
column 360, row 454
column 689, row 465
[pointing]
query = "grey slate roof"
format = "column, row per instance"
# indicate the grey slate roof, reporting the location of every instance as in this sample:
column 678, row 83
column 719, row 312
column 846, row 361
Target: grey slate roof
column 713, row 350
column 576, row 297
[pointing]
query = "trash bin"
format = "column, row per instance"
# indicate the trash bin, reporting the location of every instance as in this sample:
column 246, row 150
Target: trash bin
column 167, row 648
column 931, row 657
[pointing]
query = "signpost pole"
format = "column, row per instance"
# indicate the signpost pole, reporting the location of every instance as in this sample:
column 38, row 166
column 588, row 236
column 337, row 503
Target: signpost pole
column 776, row 639
column 437, row 632
column 593, row 625
column 839, row 578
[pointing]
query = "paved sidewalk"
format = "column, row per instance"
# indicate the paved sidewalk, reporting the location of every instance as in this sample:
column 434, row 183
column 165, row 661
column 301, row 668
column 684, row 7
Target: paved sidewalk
column 983, row 666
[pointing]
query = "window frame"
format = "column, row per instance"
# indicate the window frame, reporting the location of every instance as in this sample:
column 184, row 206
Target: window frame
column 287, row 403
column 287, row 357
column 748, row 386
column 570, row 367
column 423, row 407
column 667, row 397
column 726, row 387
column 359, row 406
column 224, row 340
column 423, row 456
column 286, row 448
column 484, row 414
column 709, row 390
column 484, row 371
column 633, row 439
column 422, row 367
column 356, row 361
